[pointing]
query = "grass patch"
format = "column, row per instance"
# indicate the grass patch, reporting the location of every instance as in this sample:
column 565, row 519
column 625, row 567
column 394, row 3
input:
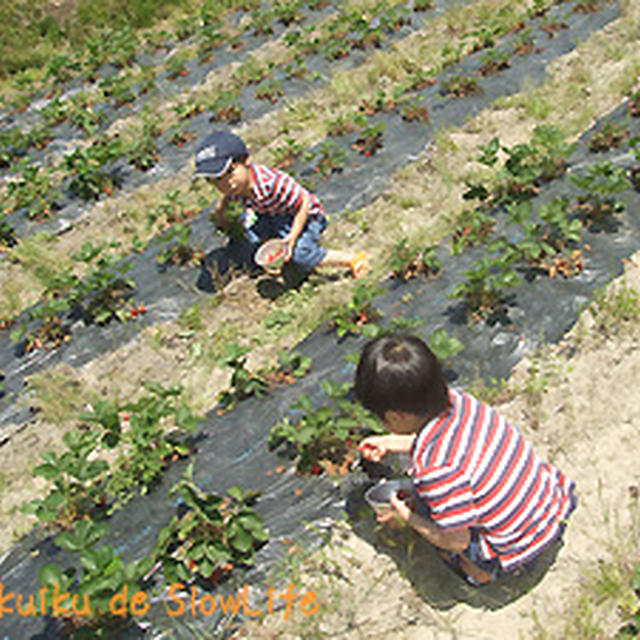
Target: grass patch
column 58, row 394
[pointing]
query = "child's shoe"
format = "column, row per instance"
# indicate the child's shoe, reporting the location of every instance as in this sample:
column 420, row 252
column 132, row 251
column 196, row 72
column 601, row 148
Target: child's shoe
column 360, row 265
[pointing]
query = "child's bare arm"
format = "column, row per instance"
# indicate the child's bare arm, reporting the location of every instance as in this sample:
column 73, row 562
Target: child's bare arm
column 375, row 448
column 218, row 217
column 454, row 540
column 299, row 220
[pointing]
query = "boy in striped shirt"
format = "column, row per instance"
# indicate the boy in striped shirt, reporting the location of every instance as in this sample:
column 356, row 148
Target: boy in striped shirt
column 276, row 206
column 488, row 503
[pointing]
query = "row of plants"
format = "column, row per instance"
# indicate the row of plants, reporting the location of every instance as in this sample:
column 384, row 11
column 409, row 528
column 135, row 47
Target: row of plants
column 142, row 152
column 545, row 241
column 384, row 18
column 98, row 293
column 122, row 89
column 209, row 536
column 113, row 48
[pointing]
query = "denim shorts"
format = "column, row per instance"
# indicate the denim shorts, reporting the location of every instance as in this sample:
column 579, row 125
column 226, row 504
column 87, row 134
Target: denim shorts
column 307, row 252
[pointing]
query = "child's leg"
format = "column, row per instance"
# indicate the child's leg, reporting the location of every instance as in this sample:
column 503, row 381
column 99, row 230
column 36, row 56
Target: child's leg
column 357, row 262
column 469, row 566
column 307, row 252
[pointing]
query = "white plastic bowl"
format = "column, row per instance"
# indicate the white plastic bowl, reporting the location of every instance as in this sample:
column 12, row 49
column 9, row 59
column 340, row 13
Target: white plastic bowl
column 378, row 496
column 270, row 256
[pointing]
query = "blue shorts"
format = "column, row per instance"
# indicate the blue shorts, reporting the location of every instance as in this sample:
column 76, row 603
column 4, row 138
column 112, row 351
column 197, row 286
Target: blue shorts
column 307, row 252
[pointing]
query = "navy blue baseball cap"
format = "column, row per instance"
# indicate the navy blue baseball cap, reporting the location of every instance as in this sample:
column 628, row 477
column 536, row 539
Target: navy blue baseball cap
column 216, row 153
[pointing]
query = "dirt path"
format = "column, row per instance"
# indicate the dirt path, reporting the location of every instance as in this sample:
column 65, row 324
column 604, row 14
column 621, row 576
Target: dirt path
column 583, row 394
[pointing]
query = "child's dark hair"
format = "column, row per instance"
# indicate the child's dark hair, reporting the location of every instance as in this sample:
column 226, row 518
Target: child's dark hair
column 401, row 373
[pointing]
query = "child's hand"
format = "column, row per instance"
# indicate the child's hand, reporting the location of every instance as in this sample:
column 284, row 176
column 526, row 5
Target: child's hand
column 397, row 514
column 373, row 448
column 290, row 243
column 400, row 508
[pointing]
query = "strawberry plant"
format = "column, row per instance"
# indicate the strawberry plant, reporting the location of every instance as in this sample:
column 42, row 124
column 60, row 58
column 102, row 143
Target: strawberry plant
column 269, row 89
column 288, row 12
column 7, row 234
column 141, row 430
column 226, row 107
column 486, row 32
column 88, row 168
column 325, row 439
column 523, row 43
column 353, row 316
column 170, row 210
column 186, row 27
column 494, row 61
column 251, row 71
column 346, row 123
column 423, row 5
column 337, row 48
column 610, row 136
column 209, row 37
column 104, row 574
column 628, row 607
column 77, row 482
column 62, row 68
column 380, row 102
column 473, row 228
column 190, row 108
column 408, row 261
column 177, row 64
column 244, row 383
column 82, row 115
column 39, row 136
column 460, row 86
column 261, row 20
column 293, row 363
column 180, row 135
column 601, row 183
column 55, row 111
column 483, row 292
column 528, row 165
column 210, row 536
column 142, row 151
column 587, row 6
column 547, row 245
column 329, row 158
column 297, row 68
column 286, row 154
column 51, row 328
column 34, row 191
column 291, row 366
column 370, row 140
column 413, row 110
column 120, row 89
column 122, row 45
column 13, row 144
column 444, row 346
column 103, row 291
column 178, row 251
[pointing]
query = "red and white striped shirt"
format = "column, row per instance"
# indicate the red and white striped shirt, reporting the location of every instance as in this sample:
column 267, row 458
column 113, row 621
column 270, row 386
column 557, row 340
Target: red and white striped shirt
column 277, row 193
column 473, row 469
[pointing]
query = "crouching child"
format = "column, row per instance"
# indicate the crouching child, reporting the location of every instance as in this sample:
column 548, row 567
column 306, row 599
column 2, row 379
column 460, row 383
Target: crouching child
column 482, row 496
